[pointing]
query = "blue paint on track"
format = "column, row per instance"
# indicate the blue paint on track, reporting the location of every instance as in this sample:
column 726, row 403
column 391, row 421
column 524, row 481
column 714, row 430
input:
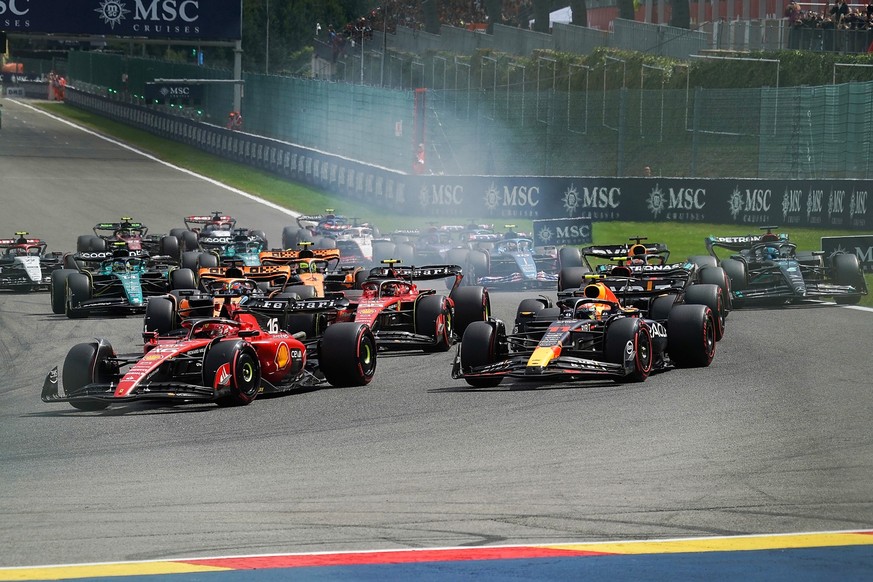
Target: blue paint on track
column 843, row 564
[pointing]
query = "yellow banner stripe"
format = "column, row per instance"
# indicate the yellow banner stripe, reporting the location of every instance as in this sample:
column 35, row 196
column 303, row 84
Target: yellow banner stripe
column 733, row 544
column 98, row 570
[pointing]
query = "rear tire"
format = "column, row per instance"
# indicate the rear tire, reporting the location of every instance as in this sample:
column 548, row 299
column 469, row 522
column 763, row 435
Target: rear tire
column 737, row 274
column 704, row 260
column 182, row 279
column 691, row 336
column 711, row 296
column 570, row 258
column 302, row 291
column 347, row 354
column 479, row 348
column 571, row 277
column 169, row 246
column 160, row 316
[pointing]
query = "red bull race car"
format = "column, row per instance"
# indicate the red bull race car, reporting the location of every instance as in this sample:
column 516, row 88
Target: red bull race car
column 589, row 334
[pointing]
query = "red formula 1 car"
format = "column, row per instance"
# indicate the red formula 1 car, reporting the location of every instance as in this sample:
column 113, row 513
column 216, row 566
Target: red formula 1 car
column 226, row 361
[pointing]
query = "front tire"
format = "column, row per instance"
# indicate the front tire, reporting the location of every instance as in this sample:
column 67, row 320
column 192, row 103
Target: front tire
column 59, row 289
column 78, row 290
column 691, row 336
column 347, row 354
column 160, row 316
column 627, row 334
column 235, row 365
column 479, row 348
column 471, row 304
column 85, row 364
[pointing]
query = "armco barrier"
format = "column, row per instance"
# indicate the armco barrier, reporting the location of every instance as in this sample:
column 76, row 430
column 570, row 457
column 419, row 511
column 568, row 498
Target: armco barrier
column 745, row 203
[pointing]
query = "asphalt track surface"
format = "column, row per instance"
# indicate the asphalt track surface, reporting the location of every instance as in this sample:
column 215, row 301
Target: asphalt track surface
column 773, row 438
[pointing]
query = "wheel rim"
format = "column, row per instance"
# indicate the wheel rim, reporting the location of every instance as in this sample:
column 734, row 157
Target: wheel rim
column 644, row 352
column 366, row 357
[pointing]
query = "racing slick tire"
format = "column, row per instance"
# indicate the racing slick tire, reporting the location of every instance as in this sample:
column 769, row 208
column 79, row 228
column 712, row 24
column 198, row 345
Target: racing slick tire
column 235, row 358
column 479, row 264
column 405, row 252
column 571, row 277
column 309, row 323
column 382, row 250
column 459, row 257
column 182, row 279
column 691, row 336
column 188, row 241
column 347, row 354
column 289, row 237
column 704, row 261
column 262, row 236
column 479, row 348
column 659, row 309
column 847, row 271
column 471, row 304
column 169, row 246
column 189, row 260
column 177, row 232
column 360, row 276
column 712, row 297
column 160, row 316
column 59, row 289
column 737, row 274
column 570, row 258
column 325, row 242
column 89, row 243
column 718, row 276
column 207, row 260
column 78, row 290
column 628, row 333
column 85, row 364
column 302, row 291
column 528, row 306
column 433, row 317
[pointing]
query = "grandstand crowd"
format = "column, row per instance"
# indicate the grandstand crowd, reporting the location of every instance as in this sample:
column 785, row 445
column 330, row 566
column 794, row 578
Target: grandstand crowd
column 839, row 16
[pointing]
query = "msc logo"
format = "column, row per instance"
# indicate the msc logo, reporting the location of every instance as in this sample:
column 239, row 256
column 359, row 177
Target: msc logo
column 858, row 203
column 441, row 195
column 676, row 199
column 112, row 12
column 835, row 202
column 598, row 197
column 752, row 200
column 791, row 202
column 12, row 6
column 813, row 202
column 511, row 197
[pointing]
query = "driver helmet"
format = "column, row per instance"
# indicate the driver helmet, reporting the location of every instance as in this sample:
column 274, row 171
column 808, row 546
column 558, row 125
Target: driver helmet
column 771, row 253
column 120, row 266
column 391, row 289
column 594, row 311
column 237, row 287
column 304, row 266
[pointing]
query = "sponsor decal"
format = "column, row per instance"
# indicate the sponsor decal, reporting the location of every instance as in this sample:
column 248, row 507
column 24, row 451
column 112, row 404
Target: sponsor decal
column 751, row 205
column 562, row 231
column 283, row 356
column 441, row 195
column 512, row 197
column 222, row 376
column 792, row 206
column 658, row 329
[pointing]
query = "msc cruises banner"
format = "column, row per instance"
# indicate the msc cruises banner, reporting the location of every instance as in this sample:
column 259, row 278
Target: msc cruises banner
column 170, row 19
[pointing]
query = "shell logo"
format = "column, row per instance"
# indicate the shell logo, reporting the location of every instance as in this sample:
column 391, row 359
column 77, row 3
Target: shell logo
column 283, row 356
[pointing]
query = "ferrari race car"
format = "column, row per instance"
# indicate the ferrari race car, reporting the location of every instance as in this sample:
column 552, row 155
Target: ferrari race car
column 589, row 334
column 508, row 263
column 116, row 282
column 641, row 277
column 25, row 265
column 133, row 235
column 769, row 270
column 225, row 361
column 401, row 315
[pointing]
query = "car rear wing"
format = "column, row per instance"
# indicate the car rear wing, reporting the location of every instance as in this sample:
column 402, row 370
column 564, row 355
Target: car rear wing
column 6, row 243
column 288, row 257
column 225, row 220
column 742, row 242
column 262, row 273
column 427, row 272
column 114, row 226
column 609, row 252
column 95, row 256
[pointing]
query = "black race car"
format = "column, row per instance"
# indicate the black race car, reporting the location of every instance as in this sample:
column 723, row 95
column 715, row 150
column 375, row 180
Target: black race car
column 768, row 269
